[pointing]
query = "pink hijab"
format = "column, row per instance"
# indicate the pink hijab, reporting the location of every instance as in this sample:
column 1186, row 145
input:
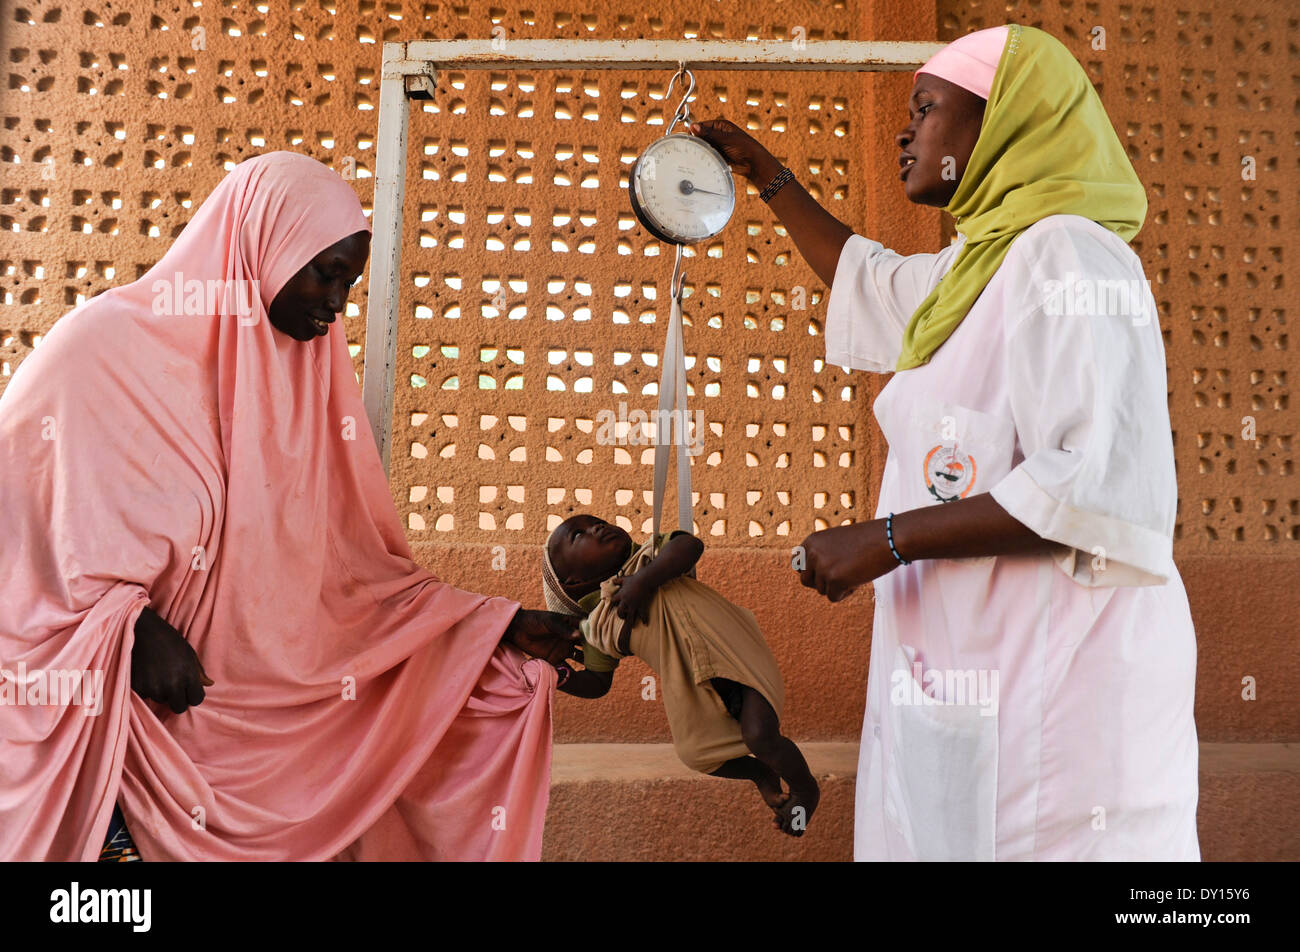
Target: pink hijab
column 970, row 62
column 225, row 474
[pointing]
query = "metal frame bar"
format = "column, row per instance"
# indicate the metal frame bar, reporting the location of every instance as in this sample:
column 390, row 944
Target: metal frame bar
column 410, row 71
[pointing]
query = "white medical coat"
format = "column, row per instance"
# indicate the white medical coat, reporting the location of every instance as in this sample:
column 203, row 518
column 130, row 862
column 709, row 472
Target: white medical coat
column 1027, row 707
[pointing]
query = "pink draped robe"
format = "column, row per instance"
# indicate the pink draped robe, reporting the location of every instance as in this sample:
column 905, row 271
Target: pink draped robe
column 216, row 469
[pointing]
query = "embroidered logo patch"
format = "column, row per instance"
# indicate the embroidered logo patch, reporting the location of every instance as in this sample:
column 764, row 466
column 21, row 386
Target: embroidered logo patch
column 949, row 473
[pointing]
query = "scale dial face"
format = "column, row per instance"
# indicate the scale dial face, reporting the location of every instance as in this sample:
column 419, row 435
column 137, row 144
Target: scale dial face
column 681, row 189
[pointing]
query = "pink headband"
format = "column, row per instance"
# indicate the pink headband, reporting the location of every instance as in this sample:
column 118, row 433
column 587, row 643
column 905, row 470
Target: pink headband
column 970, row 62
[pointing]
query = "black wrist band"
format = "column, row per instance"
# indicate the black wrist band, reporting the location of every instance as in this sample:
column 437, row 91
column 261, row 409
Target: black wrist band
column 774, row 186
column 889, row 534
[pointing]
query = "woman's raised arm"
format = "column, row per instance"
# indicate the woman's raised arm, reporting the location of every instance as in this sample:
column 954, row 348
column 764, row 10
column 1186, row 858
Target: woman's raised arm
column 818, row 234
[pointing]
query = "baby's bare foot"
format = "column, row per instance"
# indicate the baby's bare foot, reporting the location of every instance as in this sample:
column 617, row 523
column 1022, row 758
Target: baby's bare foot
column 793, row 816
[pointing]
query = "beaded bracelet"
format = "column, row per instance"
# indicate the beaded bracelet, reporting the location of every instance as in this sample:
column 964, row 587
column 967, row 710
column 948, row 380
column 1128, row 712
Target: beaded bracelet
column 889, row 534
column 774, row 186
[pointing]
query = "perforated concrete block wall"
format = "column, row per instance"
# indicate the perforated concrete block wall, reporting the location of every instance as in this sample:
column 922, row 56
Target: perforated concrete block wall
column 530, row 297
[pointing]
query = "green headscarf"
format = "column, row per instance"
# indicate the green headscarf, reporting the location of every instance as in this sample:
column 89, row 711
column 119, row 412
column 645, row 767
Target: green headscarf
column 1046, row 147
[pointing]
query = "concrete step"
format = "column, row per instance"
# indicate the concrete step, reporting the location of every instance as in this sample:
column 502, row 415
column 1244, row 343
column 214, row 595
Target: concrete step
column 1250, row 802
column 625, row 802
column 614, row 802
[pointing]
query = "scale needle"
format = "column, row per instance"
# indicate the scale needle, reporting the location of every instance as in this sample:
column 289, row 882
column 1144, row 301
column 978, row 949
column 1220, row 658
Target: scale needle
column 686, row 187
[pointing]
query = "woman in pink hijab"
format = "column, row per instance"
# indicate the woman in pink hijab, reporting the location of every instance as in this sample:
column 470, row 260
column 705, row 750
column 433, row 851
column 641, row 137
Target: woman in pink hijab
column 210, row 616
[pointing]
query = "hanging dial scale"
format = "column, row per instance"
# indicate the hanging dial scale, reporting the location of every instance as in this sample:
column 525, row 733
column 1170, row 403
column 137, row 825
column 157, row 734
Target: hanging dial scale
column 682, row 192
column 681, row 187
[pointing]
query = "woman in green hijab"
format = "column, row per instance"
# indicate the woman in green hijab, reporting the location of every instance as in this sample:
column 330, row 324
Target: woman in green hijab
column 1032, row 654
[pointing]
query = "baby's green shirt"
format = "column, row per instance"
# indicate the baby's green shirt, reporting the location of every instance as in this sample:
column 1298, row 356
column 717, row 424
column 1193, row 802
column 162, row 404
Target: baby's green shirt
column 593, row 659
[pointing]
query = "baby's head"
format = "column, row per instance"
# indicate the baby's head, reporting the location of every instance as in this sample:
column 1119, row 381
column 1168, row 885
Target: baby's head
column 584, row 551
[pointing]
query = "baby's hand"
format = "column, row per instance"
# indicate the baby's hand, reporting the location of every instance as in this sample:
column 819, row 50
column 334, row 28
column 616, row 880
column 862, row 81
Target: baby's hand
column 632, row 600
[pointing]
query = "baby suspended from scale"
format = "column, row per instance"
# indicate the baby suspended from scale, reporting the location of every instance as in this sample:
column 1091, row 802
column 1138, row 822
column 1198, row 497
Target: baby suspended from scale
column 721, row 687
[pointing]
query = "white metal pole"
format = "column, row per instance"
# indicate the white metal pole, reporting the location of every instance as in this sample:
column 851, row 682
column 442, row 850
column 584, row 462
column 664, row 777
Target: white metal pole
column 386, row 249
column 815, row 55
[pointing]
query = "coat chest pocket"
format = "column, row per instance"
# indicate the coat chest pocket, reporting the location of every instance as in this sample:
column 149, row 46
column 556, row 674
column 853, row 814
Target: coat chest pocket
column 948, row 451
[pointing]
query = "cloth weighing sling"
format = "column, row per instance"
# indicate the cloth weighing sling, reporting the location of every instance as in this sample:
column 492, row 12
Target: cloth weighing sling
column 693, row 634
column 225, row 474
column 672, row 405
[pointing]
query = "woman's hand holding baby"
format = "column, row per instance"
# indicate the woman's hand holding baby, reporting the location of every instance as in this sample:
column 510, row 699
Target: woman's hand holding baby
column 547, row 635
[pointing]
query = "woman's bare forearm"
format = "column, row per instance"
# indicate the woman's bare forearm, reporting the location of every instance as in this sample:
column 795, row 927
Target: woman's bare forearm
column 818, row 234
column 965, row 529
column 840, row 559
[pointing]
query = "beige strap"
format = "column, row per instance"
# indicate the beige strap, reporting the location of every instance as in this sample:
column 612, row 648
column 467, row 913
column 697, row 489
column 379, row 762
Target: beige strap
column 672, row 406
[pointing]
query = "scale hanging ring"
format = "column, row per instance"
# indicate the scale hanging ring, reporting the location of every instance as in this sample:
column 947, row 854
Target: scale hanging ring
column 681, row 189
column 678, row 279
column 683, row 113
